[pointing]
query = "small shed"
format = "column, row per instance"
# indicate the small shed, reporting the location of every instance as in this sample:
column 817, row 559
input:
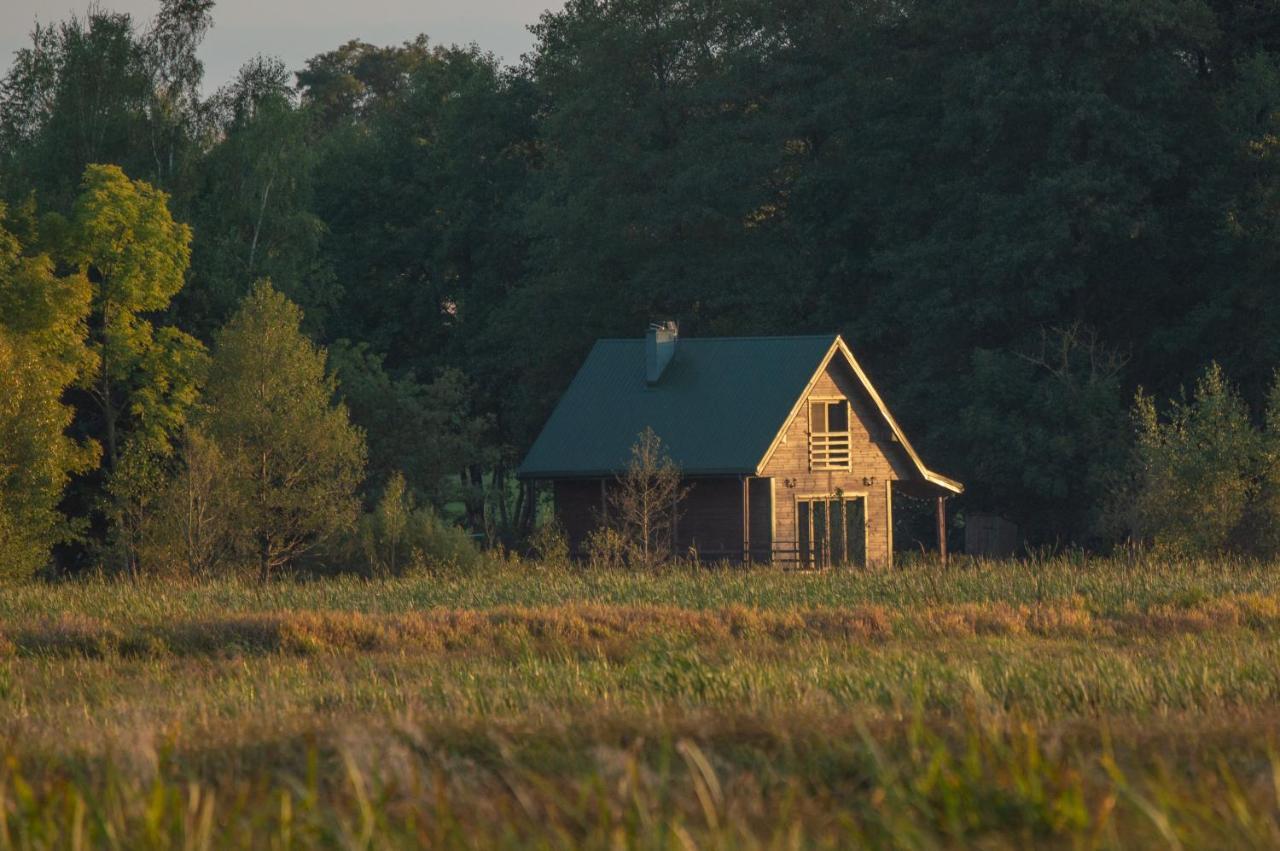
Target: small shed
column 789, row 454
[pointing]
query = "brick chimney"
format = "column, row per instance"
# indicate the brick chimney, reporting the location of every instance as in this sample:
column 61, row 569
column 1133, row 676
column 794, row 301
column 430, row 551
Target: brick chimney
column 659, row 346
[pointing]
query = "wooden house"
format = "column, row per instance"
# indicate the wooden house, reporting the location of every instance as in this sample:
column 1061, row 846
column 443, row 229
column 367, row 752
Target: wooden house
column 788, row 452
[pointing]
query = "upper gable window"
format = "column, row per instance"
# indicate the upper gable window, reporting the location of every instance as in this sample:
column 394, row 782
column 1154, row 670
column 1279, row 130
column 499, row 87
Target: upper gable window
column 829, row 437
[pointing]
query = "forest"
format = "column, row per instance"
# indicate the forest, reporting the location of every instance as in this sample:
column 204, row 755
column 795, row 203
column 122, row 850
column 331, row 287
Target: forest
column 1036, row 224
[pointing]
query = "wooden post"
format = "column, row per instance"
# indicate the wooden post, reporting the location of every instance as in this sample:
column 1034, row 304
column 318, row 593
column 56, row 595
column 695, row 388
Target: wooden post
column 746, row 520
column 604, row 503
column 942, row 529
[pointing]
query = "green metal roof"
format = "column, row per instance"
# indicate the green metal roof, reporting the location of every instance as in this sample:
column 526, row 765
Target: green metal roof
column 717, row 407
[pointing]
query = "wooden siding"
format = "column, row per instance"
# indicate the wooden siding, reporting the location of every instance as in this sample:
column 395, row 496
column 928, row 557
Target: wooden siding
column 710, row 519
column 578, row 509
column 761, row 512
column 875, row 456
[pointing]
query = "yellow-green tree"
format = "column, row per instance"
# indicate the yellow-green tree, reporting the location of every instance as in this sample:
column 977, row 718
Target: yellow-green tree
column 1264, row 520
column 272, row 411
column 147, row 378
column 1195, row 474
column 42, row 354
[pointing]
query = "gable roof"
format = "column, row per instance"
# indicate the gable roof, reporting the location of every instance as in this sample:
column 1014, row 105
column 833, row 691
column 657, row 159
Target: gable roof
column 720, row 407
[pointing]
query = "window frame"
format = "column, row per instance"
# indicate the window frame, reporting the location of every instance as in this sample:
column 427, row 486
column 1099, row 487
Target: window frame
column 825, row 453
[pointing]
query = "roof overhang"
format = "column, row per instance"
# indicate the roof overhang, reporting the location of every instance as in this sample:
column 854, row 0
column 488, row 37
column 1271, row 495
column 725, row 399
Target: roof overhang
column 839, row 347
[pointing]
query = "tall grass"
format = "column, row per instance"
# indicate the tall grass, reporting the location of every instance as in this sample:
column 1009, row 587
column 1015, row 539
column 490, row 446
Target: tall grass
column 1106, row 585
column 1064, row 703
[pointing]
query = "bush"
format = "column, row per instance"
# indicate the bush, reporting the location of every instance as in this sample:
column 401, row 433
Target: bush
column 607, row 548
column 549, row 545
column 1204, row 479
column 396, row 537
column 436, row 543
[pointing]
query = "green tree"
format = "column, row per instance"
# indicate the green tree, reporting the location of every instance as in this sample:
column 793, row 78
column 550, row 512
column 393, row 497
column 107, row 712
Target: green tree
column 96, row 89
column 272, row 410
column 384, row 530
column 147, row 378
column 1195, row 470
column 644, row 502
column 194, row 526
column 1047, row 431
column 42, row 355
column 1264, row 519
column 252, row 209
column 135, row 255
column 425, row 433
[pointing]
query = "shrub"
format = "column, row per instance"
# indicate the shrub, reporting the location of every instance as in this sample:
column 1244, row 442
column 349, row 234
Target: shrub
column 436, row 543
column 606, row 547
column 1194, row 474
column 549, row 545
column 397, row 537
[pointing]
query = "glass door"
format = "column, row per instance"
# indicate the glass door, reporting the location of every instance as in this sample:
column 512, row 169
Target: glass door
column 831, row 531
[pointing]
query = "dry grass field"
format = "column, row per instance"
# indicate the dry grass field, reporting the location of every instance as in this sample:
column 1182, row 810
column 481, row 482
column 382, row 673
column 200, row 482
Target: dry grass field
column 1058, row 703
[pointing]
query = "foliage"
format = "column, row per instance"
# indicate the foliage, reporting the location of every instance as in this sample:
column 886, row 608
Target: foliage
column 606, row 548
column 548, row 543
column 1016, row 212
column 383, row 531
column 252, row 204
column 643, row 505
column 42, row 355
column 1195, row 473
column 1263, row 519
column 424, row 432
column 98, row 90
column 398, row 539
column 193, row 527
column 1046, row 432
column 272, row 410
column 147, row 380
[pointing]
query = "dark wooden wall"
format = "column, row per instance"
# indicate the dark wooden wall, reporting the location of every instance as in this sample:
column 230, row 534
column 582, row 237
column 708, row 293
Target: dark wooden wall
column 710, row 520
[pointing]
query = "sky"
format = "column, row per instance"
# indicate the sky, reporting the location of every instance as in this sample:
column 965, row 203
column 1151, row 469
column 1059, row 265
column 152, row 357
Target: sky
column 296, row 30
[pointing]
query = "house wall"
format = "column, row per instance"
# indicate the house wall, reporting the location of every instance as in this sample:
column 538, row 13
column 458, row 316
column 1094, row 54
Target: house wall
column 578, row 507
column 877, row 460
column 710, row 520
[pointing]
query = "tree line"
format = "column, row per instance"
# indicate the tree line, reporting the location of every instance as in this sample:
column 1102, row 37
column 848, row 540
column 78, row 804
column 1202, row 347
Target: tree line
column 1017, row 213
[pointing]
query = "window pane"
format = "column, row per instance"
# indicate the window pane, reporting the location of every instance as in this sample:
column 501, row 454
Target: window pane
column 856, row 530
column 820, row 553
column 802, row 534
column 838, row 416
column 837, row 514
column 818, row 417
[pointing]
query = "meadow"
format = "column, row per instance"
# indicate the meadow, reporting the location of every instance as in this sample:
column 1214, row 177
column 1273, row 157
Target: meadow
column 1056, row 703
